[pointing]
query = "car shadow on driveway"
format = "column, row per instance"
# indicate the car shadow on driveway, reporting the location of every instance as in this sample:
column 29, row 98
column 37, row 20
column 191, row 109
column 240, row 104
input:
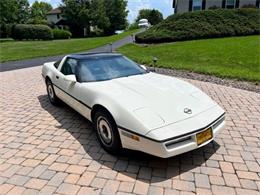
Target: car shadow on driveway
column 133, row 164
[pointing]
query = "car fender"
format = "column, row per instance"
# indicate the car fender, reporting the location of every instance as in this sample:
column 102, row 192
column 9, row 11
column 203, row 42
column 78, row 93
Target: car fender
column 48, row 70
column 124, row 118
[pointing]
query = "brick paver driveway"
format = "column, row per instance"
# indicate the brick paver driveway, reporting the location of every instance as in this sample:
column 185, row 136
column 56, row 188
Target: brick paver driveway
column 45, row 149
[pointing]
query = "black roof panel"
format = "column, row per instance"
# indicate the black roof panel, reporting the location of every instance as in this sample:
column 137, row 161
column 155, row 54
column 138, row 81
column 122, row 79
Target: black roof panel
column 82, row 56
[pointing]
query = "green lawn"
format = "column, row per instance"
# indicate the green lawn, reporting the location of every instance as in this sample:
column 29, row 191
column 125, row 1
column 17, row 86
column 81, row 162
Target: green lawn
column 18, row 50
column 236, row 57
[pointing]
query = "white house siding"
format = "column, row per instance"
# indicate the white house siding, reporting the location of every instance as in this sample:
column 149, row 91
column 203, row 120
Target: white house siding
column 52, row 18
column 247, row 2
column 211, row 3
column 182, row 6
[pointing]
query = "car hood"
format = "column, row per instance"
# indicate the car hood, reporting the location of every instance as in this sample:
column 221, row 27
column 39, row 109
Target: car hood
column 157, row 100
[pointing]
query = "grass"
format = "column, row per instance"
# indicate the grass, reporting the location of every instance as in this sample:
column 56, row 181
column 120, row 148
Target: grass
column 19, row 50
column 236, row 57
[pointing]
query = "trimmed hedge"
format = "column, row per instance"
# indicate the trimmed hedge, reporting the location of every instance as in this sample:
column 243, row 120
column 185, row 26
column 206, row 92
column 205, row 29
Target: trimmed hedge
column 32, row 32
column 61, row 34
column 5, row 30
column 203, row 24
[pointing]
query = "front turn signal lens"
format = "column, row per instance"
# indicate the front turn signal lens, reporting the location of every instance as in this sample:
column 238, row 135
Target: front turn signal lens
column 135, row 137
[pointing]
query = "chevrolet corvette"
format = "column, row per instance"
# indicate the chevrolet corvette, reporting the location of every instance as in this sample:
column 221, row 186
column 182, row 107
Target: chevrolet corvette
column 132, row 107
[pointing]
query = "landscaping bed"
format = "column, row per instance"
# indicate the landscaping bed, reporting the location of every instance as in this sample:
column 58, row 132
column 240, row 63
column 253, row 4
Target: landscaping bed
column 233, row 58
column 203, row 24
column 249, row 86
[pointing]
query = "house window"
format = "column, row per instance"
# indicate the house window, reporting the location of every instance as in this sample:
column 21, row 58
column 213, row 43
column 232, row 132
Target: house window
column 58, row 16
column 230, row 4
column 196, row 5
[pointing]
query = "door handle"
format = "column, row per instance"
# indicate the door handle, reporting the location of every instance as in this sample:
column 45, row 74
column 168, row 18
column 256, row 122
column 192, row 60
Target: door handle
column 57, row 77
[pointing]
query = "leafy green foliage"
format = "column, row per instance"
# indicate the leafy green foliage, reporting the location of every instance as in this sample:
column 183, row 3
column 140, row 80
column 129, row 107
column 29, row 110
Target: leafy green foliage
column 77, row 13
column 37, row 21
column 103, row 15
column 61, row 34
column 23, row 11
column 204, row 24
column 133, row 26
column 99, row 19
column 117, row 13
column 232, row 57
column 31, row 32
column 5, row 30
column 152, row 15
column 14, row 11
column 39, row 10
column 8, row 9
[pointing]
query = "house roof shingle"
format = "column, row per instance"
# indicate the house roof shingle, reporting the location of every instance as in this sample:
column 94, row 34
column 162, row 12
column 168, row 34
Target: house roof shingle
column 57, row 10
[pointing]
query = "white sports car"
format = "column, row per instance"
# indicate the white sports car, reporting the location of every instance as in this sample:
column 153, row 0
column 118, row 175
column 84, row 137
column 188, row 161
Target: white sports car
column 131, row 107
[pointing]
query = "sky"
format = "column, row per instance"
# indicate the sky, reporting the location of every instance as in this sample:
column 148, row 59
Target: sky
column 165, row 6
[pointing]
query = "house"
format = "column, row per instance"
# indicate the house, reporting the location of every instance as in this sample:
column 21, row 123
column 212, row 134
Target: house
column 181, row 6
column 55, row 18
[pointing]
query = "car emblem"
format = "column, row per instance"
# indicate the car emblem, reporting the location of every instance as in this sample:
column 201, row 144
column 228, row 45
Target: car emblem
column 187, row 111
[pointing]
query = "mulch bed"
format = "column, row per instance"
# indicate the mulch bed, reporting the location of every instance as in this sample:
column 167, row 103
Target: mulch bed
column 249, row 86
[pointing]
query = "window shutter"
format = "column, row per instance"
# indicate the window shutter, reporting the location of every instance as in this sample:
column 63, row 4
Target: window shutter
column 223, row 3
column 237, row 3
column 190, row 5
column 203, row 4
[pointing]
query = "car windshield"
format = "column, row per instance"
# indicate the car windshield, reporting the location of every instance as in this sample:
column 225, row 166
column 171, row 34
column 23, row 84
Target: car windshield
column 106, row 68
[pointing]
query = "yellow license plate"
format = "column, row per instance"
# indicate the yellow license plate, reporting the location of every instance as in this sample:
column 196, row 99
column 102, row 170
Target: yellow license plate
column 204, row 136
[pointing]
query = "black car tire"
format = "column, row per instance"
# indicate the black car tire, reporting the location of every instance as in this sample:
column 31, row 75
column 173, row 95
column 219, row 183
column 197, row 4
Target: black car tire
column 107, row 132
column 51, row 93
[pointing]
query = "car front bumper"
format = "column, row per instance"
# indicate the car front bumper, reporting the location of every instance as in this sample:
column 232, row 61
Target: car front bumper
column 171, row 147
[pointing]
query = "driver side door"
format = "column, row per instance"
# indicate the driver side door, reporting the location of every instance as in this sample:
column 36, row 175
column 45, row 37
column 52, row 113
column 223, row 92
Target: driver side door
column 70, row 91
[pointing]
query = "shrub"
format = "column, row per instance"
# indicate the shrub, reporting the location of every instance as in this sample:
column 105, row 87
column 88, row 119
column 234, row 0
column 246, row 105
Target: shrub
column 37, row 21
column 5, row 30
column 61, row 34
column 133, row 26
column 28, row 31
column 203, row 24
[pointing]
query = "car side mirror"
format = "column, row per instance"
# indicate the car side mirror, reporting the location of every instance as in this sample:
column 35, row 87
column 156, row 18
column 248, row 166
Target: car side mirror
column 70, row 78
column 143, row 67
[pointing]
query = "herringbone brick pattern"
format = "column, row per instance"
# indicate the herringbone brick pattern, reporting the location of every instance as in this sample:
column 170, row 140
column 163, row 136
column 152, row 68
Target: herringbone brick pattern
column 53, row 150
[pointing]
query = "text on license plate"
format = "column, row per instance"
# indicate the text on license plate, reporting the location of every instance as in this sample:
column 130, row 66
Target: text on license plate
column 204, row 136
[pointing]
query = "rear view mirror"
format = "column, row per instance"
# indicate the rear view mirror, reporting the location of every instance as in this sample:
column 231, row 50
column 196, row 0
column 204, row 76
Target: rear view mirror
column 70, row 78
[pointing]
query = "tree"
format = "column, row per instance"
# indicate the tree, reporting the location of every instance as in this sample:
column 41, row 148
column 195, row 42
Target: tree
column 8, row 9
column 106, row 15
column 153, row 16
column 143, row 14
column 23, row 13
column 14, row 11
column 77, row 14
column 99, row 18
column 117, row 13
column 39, row 10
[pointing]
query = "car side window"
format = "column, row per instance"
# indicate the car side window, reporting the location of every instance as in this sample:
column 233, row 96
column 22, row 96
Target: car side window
column 56, row 64
column 69, row 66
